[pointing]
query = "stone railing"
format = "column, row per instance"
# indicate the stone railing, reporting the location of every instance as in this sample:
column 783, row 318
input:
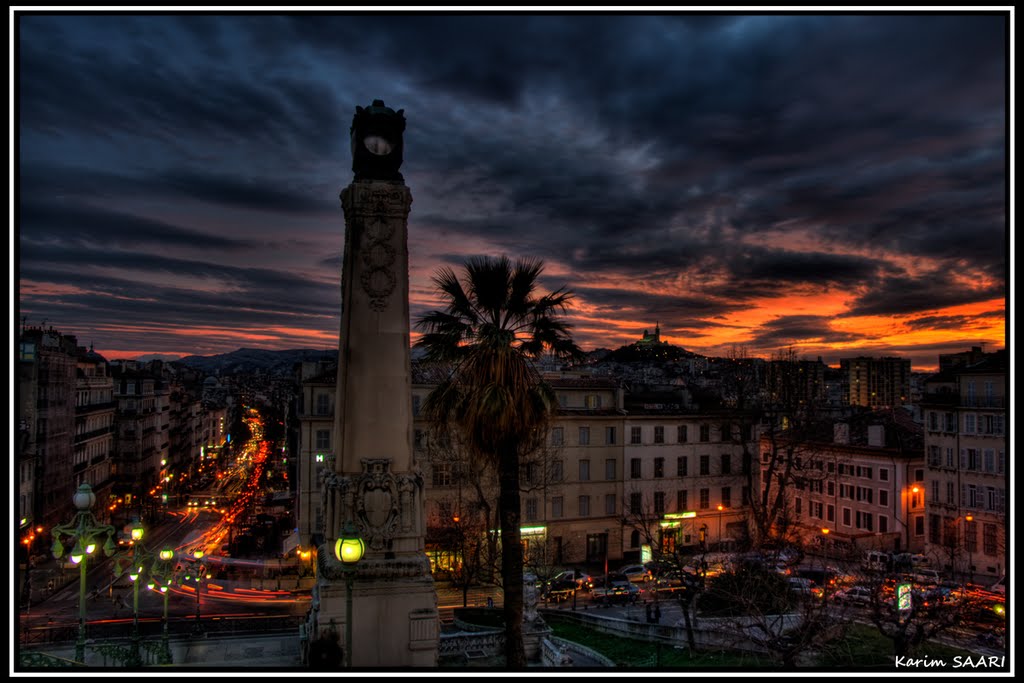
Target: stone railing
column 472, row 645
column 555, row 653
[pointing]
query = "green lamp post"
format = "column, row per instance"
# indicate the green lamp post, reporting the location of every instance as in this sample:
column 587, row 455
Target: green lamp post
column 136, row 567
column 83, row 532
column 164, row 572
column 349, row 549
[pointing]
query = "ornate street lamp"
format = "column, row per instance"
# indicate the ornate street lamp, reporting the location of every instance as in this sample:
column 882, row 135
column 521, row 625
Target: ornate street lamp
column 83, row 532
column 137, row 567
column 349, row 549
column 164, row 571
column 200, row 572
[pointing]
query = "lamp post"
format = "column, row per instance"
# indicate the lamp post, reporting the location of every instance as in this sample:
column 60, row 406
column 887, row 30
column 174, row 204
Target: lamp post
column 164, row 571
column 200, row 574
column 139, row 557
column 84, row 531
column 348, row 549
column 721, row 510
column 969, row 542
column 825, row 531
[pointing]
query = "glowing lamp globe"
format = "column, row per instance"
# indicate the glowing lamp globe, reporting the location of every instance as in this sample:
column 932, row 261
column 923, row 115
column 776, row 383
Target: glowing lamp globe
column 349, row 547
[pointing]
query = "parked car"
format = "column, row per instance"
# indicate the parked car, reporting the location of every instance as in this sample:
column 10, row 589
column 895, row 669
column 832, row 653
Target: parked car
column 927, row 576
column 800, row 586
column 636, row 572
column 583, row 581
column 614, row 590
column 855, row 595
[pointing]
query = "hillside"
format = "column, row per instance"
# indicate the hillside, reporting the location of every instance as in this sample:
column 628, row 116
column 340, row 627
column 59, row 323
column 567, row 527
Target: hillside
column 279, row 363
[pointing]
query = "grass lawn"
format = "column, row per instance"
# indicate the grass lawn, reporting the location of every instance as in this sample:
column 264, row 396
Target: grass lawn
column 629, row 652
column 863, row 647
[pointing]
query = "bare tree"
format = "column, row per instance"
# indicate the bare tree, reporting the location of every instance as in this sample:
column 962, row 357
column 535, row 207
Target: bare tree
column 917, row 616
column 678, row 569
column 785, row 461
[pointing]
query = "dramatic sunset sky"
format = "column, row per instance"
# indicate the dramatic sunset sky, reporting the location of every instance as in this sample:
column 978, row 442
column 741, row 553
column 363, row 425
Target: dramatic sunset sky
column 836, row 183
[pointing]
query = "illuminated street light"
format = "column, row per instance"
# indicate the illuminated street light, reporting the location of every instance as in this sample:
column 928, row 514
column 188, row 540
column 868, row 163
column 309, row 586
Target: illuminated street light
column 139, row 559
column 348, row 549
column 84, row 530
column 200, row 570
column 164, row 571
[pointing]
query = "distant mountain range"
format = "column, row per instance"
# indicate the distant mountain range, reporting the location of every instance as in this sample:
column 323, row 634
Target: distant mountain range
column 281, row 363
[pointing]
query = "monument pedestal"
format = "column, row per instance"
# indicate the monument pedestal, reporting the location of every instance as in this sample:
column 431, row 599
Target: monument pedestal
column 394, row 612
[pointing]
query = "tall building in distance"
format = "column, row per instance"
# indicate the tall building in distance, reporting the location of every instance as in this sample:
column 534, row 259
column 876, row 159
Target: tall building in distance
column 876, row 382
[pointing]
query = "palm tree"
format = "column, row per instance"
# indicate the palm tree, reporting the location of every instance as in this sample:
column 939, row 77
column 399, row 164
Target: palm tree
column 493, row 326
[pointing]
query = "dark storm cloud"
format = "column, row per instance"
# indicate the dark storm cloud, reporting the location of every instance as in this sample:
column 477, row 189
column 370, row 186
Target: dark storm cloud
column 79, row 224
column 708, row 160
column 905, row 295
column 149, row 93
column 682, row 309
column 798, row 328
column 756, row 266
column 949, row 321
column 255, row 194
column 269, row 281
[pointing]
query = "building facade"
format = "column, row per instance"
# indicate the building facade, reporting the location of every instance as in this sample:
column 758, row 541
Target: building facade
column 876, row 382
column 965, row 443
column 862, row 490
column 604, row 472
column 95, row 411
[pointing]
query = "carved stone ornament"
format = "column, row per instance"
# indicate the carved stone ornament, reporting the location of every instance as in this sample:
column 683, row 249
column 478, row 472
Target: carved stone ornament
column 377, row 504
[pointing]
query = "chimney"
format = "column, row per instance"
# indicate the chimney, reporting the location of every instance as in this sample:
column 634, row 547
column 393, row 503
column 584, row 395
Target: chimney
column 841, row 433
column 876, row 436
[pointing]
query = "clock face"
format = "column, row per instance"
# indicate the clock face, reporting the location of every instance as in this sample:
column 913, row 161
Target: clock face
column 375, row 144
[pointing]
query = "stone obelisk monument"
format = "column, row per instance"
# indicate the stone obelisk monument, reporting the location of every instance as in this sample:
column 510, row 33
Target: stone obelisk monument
column 376, row 487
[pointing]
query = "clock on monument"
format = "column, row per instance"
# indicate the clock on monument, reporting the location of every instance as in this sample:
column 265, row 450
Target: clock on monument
column 377, row 142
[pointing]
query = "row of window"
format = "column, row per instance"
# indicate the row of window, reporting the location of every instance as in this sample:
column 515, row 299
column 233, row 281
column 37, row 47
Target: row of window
column 658, row 436
column 636, row 503
column 986, row 460
column 946, row 531
column 973, row 423
column 862, row 520
column 973, row 497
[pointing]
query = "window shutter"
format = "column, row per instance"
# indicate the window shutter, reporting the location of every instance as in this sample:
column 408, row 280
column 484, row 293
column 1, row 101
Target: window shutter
column 963, row 495
column 963, row 458
column 1001, row 463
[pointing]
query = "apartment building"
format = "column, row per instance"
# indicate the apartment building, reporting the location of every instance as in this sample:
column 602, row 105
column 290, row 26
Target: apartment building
column 875, row 382
column 315, row 413
column 48, row 364
column 862, row 489
column 965, row 442
column 95, row 410
column 676, row 464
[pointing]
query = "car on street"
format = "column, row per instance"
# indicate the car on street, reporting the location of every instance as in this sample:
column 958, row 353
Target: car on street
column 583, row 581
column 800, row 586
column 854, row 595
column 927, row 576
column 636, row 573
column 614, row 590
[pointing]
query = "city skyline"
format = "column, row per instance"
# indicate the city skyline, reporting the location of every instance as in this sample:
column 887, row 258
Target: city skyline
column 832, row 182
